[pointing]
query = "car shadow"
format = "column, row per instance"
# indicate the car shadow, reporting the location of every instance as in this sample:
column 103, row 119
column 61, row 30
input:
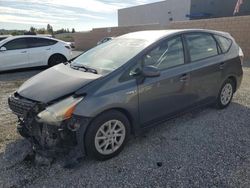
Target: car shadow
column 199, row 112
column 194, row 123
column 20, row 74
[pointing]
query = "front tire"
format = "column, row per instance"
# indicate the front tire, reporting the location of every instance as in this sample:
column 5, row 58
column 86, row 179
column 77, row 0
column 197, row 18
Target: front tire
column 225, row 95
column 107, row 135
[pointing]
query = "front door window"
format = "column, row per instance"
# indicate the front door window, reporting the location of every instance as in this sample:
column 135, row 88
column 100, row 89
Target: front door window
column 167, row 55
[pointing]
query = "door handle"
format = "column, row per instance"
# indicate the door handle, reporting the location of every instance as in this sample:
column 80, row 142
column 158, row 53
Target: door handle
column 23, row 52
column 48, row 49
column 222, row 65
column 184, row 78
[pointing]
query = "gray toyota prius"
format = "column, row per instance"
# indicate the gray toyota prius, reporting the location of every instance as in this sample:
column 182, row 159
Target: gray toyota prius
column 92, row 103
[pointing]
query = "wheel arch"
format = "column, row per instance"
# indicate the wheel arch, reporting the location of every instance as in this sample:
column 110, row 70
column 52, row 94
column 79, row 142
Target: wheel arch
column 128, row 115
column 124, row 112
column 234, row 80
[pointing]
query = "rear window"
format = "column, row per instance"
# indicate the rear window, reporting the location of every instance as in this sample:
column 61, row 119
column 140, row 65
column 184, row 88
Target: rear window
column 224, row 43
column 201, row 46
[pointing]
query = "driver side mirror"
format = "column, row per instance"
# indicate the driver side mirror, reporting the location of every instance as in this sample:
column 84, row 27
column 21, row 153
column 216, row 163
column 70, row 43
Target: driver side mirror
column 2, row 49
column 150, row 71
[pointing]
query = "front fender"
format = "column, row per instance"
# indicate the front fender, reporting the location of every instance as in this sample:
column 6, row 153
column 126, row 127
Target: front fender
column 122, row 96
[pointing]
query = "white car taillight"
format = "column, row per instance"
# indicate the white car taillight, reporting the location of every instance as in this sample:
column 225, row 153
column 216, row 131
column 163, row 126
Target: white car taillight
column 241, row 54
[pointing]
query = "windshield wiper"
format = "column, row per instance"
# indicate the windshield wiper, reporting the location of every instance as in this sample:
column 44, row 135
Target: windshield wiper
column 87, row 69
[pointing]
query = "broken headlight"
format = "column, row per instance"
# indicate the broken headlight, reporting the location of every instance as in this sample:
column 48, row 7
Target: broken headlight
column 59, row 112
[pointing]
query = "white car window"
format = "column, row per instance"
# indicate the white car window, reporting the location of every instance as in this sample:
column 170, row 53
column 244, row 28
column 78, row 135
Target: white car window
column 39, row 42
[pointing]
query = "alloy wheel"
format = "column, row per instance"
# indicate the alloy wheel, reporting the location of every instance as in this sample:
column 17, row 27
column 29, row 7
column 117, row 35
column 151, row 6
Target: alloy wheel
column 226, row 94
column 110, row 136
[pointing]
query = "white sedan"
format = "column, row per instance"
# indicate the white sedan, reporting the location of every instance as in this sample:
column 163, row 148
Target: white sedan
column 32, row 51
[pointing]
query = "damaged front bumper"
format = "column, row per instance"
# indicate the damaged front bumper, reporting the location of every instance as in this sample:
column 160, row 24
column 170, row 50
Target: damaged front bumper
column 48, row 140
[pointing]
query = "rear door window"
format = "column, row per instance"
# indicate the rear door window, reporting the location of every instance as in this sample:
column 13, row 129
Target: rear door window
column 201, row 46
column 16, row 44
column 40, row 42
column 224, row 43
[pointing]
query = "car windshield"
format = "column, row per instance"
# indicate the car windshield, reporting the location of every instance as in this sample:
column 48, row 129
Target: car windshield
column 111, row 55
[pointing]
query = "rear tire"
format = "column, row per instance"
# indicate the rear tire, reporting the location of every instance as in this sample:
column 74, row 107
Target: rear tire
column 107, row 135
column 226, row 94
column 56, row 59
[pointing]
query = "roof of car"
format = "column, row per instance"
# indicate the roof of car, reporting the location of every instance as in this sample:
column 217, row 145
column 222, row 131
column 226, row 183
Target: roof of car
column 27, row 36
column 155, row 35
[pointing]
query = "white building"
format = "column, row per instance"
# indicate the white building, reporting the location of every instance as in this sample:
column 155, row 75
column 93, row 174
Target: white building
column 155, row 13
column 179, row 10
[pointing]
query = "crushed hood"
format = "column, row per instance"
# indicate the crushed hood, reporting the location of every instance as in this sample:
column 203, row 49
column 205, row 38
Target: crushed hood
column 54, row 83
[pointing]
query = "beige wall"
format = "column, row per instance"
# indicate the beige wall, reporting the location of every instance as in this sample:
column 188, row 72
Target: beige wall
column 238, row 27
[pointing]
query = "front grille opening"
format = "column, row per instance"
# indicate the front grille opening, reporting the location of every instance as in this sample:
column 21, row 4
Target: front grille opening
column 20, row 105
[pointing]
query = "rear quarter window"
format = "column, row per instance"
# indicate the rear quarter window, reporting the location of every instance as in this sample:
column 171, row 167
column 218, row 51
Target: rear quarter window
column 224, row 43
column 51, row 42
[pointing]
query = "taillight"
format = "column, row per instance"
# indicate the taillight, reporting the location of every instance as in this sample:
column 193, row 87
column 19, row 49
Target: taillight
column 241, row 54
column 68, row 47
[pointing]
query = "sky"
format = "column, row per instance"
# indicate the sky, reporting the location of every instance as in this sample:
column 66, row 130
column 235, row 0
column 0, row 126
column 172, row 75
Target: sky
column 79, row 14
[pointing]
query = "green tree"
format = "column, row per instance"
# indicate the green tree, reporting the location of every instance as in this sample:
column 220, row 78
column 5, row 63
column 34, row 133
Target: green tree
column 41, row 31
column 73, row 30
column 14, row 33
column 32, row 29
column 50, row 29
